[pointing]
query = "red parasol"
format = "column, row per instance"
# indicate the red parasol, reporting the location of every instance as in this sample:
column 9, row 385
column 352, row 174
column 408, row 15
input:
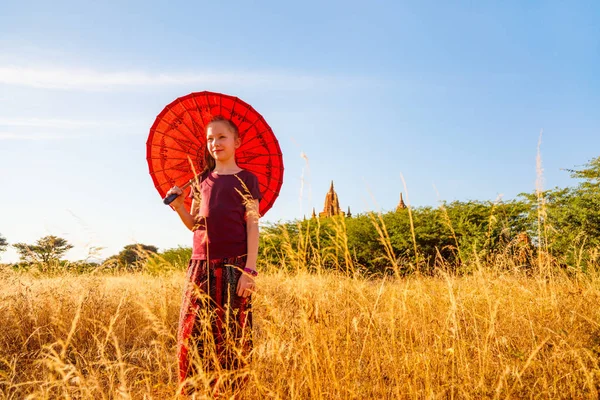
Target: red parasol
column 179, row 133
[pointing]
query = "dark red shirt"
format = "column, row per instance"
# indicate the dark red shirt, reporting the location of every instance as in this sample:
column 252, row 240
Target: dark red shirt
column 220, row 230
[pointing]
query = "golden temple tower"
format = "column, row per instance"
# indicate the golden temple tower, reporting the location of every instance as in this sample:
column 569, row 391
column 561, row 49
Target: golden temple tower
column 332, row 204
column 401, row 205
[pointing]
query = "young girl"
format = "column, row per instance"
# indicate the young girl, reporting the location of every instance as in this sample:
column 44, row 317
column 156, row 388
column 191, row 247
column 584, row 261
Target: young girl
column 216, row 316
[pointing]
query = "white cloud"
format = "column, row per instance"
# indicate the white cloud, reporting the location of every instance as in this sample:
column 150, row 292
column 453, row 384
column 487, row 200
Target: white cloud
column 59, row 123
column 55, row 128
column 90, row 79
column 31, row 136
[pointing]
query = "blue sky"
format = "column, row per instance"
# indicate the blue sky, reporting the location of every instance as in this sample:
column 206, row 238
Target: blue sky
column 451, row 96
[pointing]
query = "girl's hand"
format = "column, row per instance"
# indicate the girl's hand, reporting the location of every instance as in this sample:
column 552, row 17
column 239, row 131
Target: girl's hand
column 245, row 285
column 178, row 202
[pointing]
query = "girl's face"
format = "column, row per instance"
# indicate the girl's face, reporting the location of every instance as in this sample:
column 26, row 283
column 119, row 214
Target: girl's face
column 221, row 141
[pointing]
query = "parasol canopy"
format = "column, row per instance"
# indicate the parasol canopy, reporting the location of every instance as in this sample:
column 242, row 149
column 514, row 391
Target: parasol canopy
column 178, row 135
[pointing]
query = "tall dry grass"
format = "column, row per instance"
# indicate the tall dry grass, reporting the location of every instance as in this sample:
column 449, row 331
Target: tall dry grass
column 331, row 336
column 499, row 332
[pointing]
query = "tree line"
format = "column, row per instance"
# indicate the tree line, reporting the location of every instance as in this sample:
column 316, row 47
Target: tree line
column 48, row 252
column 561, row 222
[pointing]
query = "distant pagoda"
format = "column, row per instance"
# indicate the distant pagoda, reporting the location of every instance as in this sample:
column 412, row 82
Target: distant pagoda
column 401, row 205
column 332, row 205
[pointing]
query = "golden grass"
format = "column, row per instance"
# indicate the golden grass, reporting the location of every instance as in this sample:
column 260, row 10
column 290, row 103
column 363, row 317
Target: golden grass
column 316, row 336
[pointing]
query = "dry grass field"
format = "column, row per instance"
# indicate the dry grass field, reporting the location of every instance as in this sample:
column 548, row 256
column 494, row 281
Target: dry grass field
column 316, row 336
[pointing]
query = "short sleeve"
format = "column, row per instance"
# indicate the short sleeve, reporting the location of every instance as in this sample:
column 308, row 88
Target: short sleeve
column 195, row 187
column 194, row 191
column 253, row 188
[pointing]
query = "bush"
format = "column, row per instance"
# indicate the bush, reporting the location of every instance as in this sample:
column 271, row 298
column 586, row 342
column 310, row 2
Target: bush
column 456, row 234
column 169, row 260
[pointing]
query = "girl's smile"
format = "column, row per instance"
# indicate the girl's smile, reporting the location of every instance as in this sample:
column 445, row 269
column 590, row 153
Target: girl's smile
column 221, row 141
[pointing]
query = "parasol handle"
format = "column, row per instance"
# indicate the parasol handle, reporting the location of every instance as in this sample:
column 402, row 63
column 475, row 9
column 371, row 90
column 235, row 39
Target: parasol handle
column 169, row 199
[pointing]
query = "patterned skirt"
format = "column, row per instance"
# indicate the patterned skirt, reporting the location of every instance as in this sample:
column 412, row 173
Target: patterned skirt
column 215, row 323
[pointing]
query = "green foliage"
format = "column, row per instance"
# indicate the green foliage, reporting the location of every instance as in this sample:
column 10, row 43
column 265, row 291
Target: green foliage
column 177, row 257
column 364, row 244
column 455, row 233
column 482, row 229
column 562, row 223
column 566, row 221
column 3, row 243
column 55, row 267
column 590, row 174
column 82, row 267
column 46, row 250
column 168, row 260
column 132, row 257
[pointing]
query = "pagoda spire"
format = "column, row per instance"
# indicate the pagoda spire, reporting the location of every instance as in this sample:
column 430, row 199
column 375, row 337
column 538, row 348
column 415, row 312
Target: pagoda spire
column 349, row 214
column 332, row 204
column 401, row 205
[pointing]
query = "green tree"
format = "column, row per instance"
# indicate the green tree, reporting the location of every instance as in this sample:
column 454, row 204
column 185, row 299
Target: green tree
column 133, row 256
column 3, row 244
column 458, row 234
column 364, row 243
column 47, row 249
column 590, row 174
column 178, row 256
column 484, row 228
column 568, row 219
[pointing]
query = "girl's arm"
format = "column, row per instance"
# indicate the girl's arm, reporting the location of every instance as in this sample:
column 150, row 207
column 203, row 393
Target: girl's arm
column 245, row 285
column 188, row 219
column 252, row 234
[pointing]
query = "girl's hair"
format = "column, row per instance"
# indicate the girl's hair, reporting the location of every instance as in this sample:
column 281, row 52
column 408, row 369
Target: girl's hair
column 228, row 122
column 209, row 161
